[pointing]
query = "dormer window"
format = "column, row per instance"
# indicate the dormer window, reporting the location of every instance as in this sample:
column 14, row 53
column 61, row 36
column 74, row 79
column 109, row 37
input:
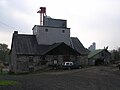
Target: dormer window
column 46, row 30
column 63, row 31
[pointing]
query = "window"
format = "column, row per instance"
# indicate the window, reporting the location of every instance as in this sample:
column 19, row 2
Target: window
column 31, row 59
column 43, row 62
column 55, row 62
column 46, row 30
column 63, row 31
column 64, row 24
column 66, row 58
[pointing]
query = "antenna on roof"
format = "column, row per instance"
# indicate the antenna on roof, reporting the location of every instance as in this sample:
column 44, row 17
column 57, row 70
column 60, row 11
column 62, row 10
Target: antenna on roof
column 42, row 12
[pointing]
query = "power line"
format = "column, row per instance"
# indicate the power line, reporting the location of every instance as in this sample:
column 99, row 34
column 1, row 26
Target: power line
column 10, row 26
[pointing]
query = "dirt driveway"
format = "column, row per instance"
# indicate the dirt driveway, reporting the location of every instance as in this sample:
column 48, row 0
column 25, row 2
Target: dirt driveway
column 93, row 78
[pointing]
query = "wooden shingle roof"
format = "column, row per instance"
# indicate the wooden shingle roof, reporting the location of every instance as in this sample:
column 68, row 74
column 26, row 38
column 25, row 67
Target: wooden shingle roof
column 28, row 45
column 78, row 46
column 93, row 53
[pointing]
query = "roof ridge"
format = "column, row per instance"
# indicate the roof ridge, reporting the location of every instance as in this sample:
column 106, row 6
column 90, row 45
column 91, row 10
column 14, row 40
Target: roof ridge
column 73, row 37
column 93, row 52
column 51, row 47
column 25, row 35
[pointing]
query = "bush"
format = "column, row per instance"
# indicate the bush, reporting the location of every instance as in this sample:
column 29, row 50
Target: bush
column 7, row 82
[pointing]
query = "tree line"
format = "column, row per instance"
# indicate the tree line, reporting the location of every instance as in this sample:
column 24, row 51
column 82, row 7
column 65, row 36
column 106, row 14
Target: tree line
column 115, row 54
column 4, row 52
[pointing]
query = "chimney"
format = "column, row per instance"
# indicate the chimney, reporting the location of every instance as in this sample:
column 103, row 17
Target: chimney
column 15, row 33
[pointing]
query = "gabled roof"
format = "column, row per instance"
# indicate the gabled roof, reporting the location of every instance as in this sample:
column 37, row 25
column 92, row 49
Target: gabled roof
column 78, row 46
column 28, row 45
column 25, row 44
column 50, row 47
column 61, row 49
column 93, row 53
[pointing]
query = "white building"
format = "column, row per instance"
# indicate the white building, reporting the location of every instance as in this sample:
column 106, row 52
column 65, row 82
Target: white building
column 52, row 31
column 92, row 47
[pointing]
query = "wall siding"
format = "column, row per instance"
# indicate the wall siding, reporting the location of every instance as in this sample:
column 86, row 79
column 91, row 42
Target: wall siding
column 53, row 35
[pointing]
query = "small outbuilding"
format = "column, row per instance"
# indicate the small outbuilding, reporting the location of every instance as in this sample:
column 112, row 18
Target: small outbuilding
column 99, row 57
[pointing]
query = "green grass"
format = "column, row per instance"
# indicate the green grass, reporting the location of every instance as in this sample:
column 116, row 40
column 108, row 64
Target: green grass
column 7, row 82
column 4, row 73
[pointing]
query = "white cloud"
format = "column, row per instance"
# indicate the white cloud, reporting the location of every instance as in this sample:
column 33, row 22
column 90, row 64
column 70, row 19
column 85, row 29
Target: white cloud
column 6, row 36
column 3, row 3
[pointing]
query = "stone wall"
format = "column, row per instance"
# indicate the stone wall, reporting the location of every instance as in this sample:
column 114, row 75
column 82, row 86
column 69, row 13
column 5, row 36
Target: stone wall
column 33, row 63
column 12, row 61
column 83, row 60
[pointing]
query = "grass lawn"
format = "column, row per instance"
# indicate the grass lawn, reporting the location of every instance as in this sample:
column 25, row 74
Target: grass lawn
column 4, row 73
column 7, row 82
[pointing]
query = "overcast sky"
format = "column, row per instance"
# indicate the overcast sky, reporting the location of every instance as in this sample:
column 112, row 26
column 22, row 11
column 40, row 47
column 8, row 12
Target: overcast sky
column 90, row 20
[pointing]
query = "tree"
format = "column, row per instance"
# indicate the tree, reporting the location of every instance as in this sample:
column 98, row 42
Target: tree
column 115, row 54
column 4, row 52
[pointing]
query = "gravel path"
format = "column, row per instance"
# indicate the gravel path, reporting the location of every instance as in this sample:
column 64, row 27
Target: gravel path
column 94, row 78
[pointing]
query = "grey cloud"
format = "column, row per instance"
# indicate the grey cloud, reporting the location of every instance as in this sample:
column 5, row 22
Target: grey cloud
column 20, row 5
column 101, row 19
